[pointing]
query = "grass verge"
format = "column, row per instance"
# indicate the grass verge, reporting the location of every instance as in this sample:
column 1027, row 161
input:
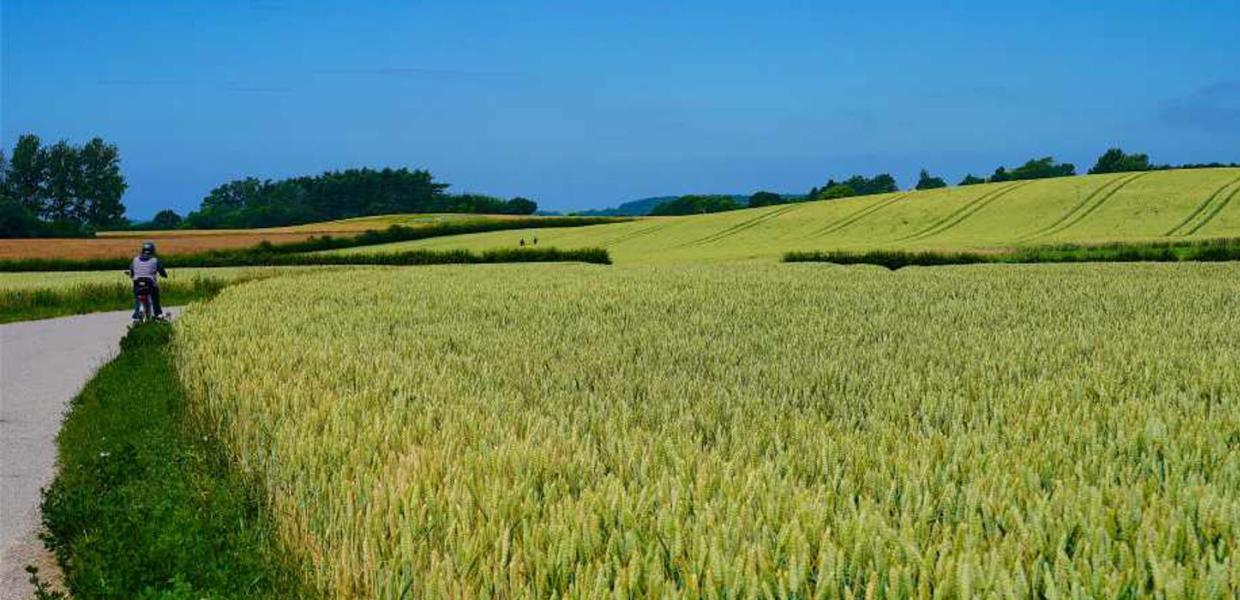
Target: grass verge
column 1217, row 250
column 32, row 304
column 145, row 505
column 264, row 256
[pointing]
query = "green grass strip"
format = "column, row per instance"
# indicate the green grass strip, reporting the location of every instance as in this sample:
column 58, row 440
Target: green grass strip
column 264, row 257
column 1217, row 250
column 146, row 503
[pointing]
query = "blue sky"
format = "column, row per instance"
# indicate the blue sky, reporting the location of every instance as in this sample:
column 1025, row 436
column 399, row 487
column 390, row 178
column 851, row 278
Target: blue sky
column 583, row 105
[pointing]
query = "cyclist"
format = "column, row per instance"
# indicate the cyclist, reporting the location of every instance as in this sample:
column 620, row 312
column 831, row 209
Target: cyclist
column 147, row 266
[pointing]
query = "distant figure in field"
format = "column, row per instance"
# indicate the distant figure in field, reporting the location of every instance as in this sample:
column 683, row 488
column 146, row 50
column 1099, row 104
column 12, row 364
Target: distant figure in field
column 147, row 266
column 522, row 244
column 535, row 240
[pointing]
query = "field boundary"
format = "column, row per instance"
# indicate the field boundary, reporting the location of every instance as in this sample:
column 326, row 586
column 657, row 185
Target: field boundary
column 1202, row 208
column 855, row 216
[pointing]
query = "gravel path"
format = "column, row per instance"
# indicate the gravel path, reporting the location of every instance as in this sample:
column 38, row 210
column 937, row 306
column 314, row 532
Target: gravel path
column 43, row 364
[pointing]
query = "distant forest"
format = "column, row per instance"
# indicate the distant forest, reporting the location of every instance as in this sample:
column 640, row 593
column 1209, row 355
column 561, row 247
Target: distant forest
column 246, row 203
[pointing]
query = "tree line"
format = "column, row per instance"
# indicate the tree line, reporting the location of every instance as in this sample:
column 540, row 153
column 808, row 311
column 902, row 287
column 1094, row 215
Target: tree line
column 60, row 190
column 694, row 204
column 1114, row 160
column 249, row 202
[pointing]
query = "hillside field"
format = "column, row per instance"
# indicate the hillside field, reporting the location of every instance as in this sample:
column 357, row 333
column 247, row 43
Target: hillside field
column 1187, row 204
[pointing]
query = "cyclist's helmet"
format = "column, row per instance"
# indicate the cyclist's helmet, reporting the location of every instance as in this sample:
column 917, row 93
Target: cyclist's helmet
column 148, row 248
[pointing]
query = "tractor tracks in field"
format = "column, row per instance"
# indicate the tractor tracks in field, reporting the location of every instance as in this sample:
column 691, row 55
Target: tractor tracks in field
column 855, row 216
column 635, row 234
column 957, row 216
column 1085, row 207
column 746, row 224
column 1206, row 210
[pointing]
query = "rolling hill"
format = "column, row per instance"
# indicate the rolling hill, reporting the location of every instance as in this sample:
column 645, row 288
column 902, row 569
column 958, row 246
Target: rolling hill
column 1184, row 204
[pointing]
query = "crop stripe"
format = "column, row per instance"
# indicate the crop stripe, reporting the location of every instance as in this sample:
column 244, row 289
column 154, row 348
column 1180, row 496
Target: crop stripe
column 624, row 237
column 973, row 209
column 718, row 235
column 1200, row 209
column 1218, row 208
column 933, row 227
column 1095, row 205
column 1102, row 189
column 856, row 215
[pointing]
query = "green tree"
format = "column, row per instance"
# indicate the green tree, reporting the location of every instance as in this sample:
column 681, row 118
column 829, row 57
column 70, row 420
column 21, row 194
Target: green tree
column 694, row 204
column 1115, row 161
column 764, row 198
column 519, row 206
column 836, row 191
column 970, row 179
column 5, row 192
column 1038, row 168
column 101, row 185
column 233, row 195
column 883, row 183
column 15, row 220
column 63, row 183
column 335, row 195
column 926, row 182
column 28, row 174
column 166, row 219
column 857, row 185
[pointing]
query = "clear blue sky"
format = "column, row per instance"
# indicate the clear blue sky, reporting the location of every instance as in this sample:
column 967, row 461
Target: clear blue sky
column 586, row 104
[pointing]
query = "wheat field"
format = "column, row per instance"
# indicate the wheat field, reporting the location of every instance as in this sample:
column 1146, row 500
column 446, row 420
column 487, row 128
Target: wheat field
column 741, row 430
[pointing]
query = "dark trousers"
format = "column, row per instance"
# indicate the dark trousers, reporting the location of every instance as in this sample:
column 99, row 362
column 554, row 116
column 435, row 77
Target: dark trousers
column 156, row 308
